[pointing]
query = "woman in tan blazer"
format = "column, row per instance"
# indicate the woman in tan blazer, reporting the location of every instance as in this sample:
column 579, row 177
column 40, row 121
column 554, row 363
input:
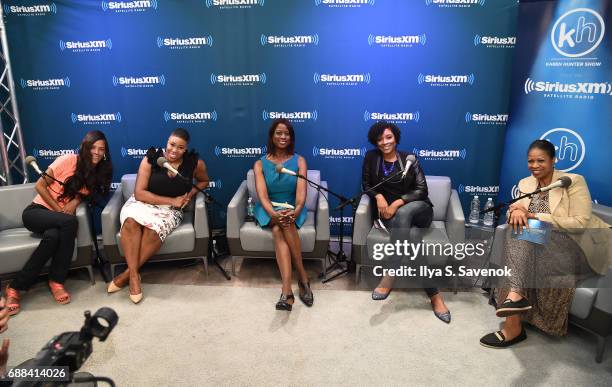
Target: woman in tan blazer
column 542, row 285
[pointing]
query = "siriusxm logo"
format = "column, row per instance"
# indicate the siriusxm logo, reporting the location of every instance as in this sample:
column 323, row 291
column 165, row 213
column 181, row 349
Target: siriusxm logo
column 291, row 116
column 578, row 90
column 129, row 6
column 570, row 148
column 289, row 40
column 216, row 184
column 239, row 152
column 234, row 4
column 86, row 46
column 133, row 152
column 338, row 153
column 495, row 41
column 95, row 119
column 396, row 118
column 238, row 80
column 577, row 32
column 45, row 84
column 53, row 153
column 115, row 185
column 446, row 155
column 455, row 3
column 342, row 79
column 515, row 192
column 397, row 40
column 185, row 43
column 446, row 80
column 336, row 220
column 30, row 10
column 152, row 81
column 483, row 119
column 344, row 3
column 490, row 190
column 190, row 118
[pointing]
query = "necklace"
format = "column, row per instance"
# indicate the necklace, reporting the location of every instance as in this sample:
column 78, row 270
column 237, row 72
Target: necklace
column 386, row 171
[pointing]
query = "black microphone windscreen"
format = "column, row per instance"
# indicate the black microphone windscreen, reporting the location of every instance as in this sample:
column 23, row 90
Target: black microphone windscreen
column 566, row 181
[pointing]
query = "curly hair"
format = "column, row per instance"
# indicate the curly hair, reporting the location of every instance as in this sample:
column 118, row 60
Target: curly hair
column 377, row 129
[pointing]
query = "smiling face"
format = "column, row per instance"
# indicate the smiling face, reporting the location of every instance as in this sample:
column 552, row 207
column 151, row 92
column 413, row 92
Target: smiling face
column 175, row 148
column 98, row 150
column 281, row 138
column 386, row 142
column 540, row 163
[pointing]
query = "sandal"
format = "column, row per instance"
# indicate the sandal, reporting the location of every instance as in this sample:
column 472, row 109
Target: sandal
column 306, row 293
column 12, row 301
column 283, row 303
column 59, row 293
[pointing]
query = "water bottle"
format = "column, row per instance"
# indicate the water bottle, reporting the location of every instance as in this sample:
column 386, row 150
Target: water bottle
column 488, row 216
column 250, row 208
column 475, row 210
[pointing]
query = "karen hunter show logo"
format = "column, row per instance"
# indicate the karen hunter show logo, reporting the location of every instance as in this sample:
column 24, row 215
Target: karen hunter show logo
column 486, row 119
column 397, row 41
column 245, row 152
column 494, row 41
column 396, row 117
column 569, row 146
column 234, row 4
column 185, row 43
column 446, row 80
column 49, row 154
column 85, row 46
column 129, row 6
column 95, row 119
column 486, row 190
column 191, row 118
column 238, row 79
column 441, row 155
column 45, row 84
column 344, row 3
column 147, row 81
column 338, row 153
column 283, row 41
column 456, row 3
column 38, row 9
column 562, row 90
column 291, row 116
column 341, row 79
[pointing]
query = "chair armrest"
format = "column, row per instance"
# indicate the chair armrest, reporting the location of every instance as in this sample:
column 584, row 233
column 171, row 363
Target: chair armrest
column 200, row 217
column 499, row 240
column 322, row 217
column 455, row 220
column 236, row 211
column 84, row 227
column 603, row 301
column 110, row 218
column 362, row 222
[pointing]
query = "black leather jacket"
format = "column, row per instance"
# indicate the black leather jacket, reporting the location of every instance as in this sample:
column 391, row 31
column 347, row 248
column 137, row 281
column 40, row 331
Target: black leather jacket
column 415, row 185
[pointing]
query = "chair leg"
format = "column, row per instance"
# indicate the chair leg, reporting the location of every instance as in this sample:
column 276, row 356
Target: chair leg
column 357, row 274
column 324, row 267
column 233, row 266
column 91, row 275
column 205, row 259
column 601, row 346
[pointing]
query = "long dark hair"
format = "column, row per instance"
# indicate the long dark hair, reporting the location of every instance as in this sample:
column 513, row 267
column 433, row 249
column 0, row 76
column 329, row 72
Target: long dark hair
column 271, row 149
column 95, row 178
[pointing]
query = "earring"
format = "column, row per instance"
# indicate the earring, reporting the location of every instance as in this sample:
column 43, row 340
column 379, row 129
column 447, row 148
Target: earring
column 104, row 158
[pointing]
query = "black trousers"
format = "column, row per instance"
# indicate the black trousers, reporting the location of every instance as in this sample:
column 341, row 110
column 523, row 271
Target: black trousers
column 58, row 233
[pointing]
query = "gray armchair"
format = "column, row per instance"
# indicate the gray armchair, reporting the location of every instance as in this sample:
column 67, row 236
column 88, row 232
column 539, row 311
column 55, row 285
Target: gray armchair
column 189, row 240
column 448, row 224
column 17, row 243
column 246, row 239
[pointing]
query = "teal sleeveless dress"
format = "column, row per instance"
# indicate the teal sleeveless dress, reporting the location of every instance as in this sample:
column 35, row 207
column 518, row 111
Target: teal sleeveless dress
column 281, row 189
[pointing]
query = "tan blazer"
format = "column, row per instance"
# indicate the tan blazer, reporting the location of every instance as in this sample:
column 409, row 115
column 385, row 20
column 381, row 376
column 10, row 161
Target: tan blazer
column 570, row 211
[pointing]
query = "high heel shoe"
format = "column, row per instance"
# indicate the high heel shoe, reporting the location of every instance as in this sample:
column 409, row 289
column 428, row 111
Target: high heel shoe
column 136, row 298
column 113, row 288
column 306, row 293
column 283, row 303
column 12, row 301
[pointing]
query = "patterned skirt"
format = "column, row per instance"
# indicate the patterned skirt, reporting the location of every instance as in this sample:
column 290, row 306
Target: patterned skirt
column 162, row 219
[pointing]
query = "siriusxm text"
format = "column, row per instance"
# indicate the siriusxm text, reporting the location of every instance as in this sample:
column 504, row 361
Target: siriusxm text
column 45, row 83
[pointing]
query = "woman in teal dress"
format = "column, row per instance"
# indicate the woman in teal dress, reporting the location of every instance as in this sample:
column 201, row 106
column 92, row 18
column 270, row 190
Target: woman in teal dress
column 281, row 208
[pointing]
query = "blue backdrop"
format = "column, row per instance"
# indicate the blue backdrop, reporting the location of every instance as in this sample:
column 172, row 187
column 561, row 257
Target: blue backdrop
column 440, row 69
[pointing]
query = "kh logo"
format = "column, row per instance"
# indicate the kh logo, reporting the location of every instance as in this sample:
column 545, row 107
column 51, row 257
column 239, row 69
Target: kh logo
column 86, row 46
column 553, row 89
column 446, row 155
column 396, row 118
column 397, row 40
column 481, row 119
column 569, row 145
column 45, row 84
column 455, row 3
column 238, row 80
column 133, row 152
column 100, row 119
column 495, row 41
column 185, row 43
column 129, row 6
column 490, row 190
column 338, row 153
column 53, row 153
column 342, row 79
column 240, row 152
column 129, row 81
column 344, row 3
column 446, row 80
column 577, row 32
column 291, row 116
column 289, row 40
column 31, row 10
column 191, row 118
column 234, row 4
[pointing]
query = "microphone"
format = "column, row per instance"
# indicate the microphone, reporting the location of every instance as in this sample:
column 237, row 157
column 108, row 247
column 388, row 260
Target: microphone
column 280, row 169
column 162, row 162
column 31, row 161
column 562, row 182
column 410, row 159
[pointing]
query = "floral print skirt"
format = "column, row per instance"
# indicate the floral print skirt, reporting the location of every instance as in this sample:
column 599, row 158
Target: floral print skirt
column 162, row 219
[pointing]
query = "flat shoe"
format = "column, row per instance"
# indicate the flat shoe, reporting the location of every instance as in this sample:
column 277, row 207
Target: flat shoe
column 379, row 296
column 510, row 308
column 498, row 340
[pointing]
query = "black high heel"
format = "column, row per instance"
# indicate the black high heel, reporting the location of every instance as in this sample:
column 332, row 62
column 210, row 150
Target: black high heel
column 282, row 303
column 306, row 293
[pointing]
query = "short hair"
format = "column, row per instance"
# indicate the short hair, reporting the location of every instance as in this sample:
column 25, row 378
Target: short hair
column 544, row 145
column 377, row 129
column 271, row 149
column 181, row 133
